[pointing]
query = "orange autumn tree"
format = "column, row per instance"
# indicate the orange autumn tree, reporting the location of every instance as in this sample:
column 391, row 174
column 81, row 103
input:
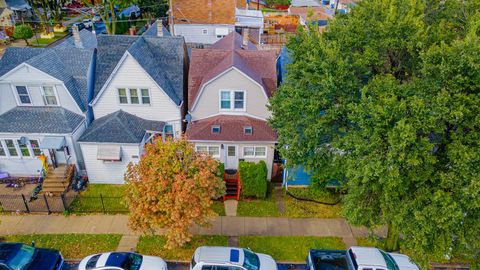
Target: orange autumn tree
column 172, row 187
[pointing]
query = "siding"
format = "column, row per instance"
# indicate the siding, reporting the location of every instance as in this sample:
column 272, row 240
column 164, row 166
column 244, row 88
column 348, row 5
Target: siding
column 131, row 74
column 100, row 172
column 208, row 102
column 34, row 80
column 193, row 33
column 268, row 159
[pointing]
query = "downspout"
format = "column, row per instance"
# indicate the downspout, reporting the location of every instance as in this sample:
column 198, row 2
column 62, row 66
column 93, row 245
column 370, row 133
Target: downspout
column 91, row 87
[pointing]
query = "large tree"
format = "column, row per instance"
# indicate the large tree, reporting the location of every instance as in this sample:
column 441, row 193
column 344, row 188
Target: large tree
column 107, row 10
column 387, row 101
column 172, row 187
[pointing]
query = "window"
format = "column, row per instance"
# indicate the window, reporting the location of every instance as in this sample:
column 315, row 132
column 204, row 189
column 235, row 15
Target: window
column 239, row 99
column 49, row 96
column 23, row 148
column 23, row 95
column 205, row 31
column 145, row 96
column 229, row 98
column 2, row 150
column 35, row 148
column 248, row 130
column 225, row 100
column 212, row 150
column 168, row 130
column 254, row 151
column 202, row 149
column 12, row 150
column 134, row 96
column 251, row 261
column 231, row 151
column 122, row 95
column 216, row 129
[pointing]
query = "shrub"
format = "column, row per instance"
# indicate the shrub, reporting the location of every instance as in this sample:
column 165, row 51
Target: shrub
column 254, row 179
column 221, row 170
column 23, row 31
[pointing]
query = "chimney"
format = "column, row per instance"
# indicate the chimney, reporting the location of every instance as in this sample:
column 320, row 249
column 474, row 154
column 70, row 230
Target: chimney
column 159, row 28
column 245, row 38
column 76, row 37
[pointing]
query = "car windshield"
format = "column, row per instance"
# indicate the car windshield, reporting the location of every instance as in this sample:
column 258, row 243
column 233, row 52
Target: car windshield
column 391, row 264
column 132, row 262
column 251, row 261
column 23, row 257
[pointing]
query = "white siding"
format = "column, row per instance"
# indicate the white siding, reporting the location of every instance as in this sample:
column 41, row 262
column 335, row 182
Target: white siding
column 223, row 152
column 131, row 74
column 208, row 101
column 193, row 33
column 34, row 80
column 100, row 172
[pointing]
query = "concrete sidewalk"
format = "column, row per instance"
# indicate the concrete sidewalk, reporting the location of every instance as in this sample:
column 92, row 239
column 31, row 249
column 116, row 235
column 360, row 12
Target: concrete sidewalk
column 229, row 226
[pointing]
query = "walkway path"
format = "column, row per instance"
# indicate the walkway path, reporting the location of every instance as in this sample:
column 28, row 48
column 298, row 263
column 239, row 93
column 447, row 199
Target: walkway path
column 229, row 226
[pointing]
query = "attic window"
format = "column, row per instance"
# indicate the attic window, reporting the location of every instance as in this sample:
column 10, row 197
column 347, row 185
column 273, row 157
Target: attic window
column 205, row 31
column 216, row 129
column 248, row 130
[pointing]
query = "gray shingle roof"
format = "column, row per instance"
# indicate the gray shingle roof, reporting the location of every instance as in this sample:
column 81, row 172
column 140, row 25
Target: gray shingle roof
column 39, row 120
column 120, row 127
column 89, row 40
column 67, row 64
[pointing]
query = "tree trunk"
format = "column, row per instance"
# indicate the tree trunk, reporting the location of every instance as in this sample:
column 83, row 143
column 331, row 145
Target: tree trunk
column 391, row 243
column 26, row 41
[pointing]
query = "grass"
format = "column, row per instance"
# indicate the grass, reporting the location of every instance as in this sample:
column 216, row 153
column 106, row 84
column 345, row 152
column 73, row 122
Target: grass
column 72, row 246
column 258, row 208
column 219, row 208
column 154, row 245
column 41, row 42
column 89, row 200
column 302, row 209
column 289, row 248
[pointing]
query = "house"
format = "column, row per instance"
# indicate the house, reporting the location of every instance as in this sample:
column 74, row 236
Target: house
column 138, row 96
column 229, row 87
column 315, row 14
column 20, row 9
column 43, row 107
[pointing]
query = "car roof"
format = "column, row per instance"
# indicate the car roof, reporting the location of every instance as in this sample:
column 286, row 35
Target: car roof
column 8, row 249
column 369, row 256
column 219, row 255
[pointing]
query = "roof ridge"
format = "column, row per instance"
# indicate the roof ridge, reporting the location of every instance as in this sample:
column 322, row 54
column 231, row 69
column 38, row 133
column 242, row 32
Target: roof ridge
column 127, row 129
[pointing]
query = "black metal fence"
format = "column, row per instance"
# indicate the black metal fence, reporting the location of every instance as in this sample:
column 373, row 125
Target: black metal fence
column 71, row 202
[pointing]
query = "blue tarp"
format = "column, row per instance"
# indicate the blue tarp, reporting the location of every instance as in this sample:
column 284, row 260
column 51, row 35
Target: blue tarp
column 297, row 176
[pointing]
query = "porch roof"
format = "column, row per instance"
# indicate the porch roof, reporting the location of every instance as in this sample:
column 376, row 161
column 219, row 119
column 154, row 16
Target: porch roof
column 56, row 120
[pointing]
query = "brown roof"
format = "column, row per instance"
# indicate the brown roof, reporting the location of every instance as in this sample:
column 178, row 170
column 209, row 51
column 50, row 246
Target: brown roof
column 318, row 13
column 205, row 64
column 231, row 129
column 204, row 11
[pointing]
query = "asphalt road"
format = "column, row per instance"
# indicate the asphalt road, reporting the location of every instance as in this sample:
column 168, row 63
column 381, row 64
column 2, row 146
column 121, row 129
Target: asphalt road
column 185, row 266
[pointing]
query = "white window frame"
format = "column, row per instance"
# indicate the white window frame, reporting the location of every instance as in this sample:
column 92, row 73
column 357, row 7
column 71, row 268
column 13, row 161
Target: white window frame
column 19, row 155
column 31, row 154
column 254, row 151
column 208, row 149
column 245, row 130
column 232, row 101
column 55, row 93
column 30, row 148
column 129, row 98
column 4, row 147
column 17, row 96
column 204, row 31
column 216, row 126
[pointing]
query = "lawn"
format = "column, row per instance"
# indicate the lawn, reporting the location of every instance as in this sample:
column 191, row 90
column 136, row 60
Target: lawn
column 289, row 248
column 42, row 42
column 258, row 208
column 72, row 246
column 219, row 208
column 154, row 245
column 89, row 201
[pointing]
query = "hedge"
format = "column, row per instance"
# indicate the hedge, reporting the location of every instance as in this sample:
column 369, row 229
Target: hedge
column 254, row 179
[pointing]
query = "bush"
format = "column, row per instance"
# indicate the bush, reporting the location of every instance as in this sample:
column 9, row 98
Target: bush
column 23, row 31
column 254, row 179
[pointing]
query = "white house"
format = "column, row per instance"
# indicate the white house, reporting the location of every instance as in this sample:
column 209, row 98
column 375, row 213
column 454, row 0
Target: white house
column 139, row 92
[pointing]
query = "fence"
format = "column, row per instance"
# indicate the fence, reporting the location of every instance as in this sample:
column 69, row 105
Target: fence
column 66, row 202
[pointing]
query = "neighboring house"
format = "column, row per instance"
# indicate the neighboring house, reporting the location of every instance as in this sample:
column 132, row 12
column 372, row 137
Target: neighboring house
column 306, row 3
column 20, row 8
column 139, row 95
column 229, row 87
column 319, row 15
column 43, row 107
column 6, row 17
column 252, row 19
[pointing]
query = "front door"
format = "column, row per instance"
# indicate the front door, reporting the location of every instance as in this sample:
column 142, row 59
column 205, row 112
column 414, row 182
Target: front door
column 231, row 161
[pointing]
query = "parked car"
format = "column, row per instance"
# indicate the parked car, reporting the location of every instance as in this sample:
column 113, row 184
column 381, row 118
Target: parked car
column 96, row 18
column 14, row 256
column 358, row 258
column 80, row 26
column 88, row 23
column 227, row 258
column 132, row 11
column 122, row 261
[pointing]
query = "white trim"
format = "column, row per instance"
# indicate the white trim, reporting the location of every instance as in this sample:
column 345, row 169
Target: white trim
column 232, row 100
column 129, row 97
column 55, row 92
column 227, row 142
column 230, row 113
column 219, row 75
column 18, row 156
column 95, row 143
column 208, row 149
column 27, row 66
column 254, row 151
column 17, row 97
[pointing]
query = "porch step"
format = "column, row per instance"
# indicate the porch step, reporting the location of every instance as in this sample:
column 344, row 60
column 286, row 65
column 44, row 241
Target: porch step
column 53, row 185
column 56, row 190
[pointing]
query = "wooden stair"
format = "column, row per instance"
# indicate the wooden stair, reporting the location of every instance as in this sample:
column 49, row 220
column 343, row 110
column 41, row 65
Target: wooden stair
column 55, row 182
column 233, row 185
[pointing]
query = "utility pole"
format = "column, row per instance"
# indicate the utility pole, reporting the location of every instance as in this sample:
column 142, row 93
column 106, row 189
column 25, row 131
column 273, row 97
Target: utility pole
column 170, row 17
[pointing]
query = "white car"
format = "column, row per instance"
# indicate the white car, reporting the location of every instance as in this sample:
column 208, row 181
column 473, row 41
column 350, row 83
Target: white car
column 227, row 258
column 88, row 23
column 122, row 261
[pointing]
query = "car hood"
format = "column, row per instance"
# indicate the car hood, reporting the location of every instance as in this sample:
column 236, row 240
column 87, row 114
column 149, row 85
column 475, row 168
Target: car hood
column 404, row 262
column 46, row 259
column 266, row 262
column 153, row 263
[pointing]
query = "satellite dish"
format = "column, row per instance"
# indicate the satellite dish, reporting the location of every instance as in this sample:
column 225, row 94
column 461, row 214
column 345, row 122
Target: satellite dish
column 23, row 140
column 188, row 118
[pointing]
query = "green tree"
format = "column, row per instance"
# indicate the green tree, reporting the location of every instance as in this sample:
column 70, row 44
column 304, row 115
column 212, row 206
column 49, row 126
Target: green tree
column 107, row 11
column 387, row 98
column 154, row 8
column 23, row 31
